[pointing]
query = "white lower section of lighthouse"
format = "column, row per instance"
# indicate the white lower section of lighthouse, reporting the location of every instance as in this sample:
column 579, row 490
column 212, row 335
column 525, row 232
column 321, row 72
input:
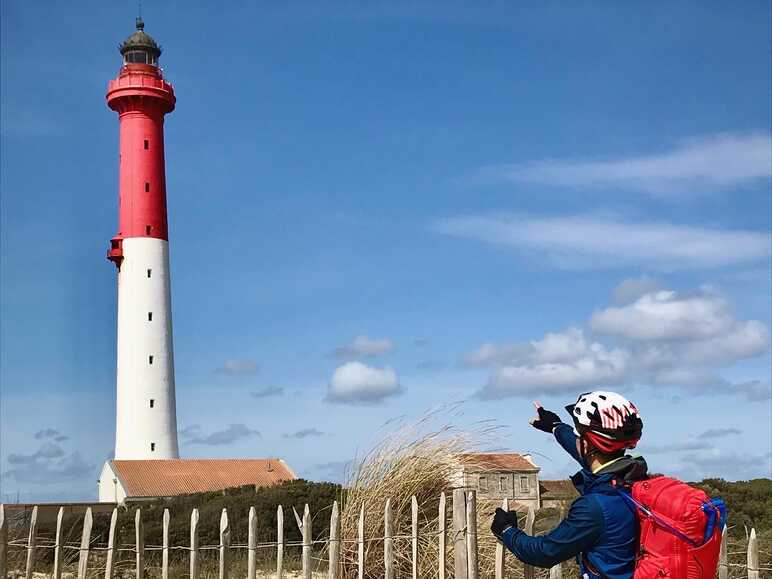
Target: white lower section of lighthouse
column 146, row 416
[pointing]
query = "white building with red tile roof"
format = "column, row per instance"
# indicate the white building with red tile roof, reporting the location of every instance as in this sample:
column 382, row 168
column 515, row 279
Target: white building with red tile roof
column 496, row 476
column 135, row 480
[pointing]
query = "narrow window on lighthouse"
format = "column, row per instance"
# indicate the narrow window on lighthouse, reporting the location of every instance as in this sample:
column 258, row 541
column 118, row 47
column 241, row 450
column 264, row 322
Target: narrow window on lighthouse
column 149, row 272
column 147, row 144
column 150, row 360
column 150, row 316
column 152, row 403
column 147, row 187
column 147, row 229
column 152, row 447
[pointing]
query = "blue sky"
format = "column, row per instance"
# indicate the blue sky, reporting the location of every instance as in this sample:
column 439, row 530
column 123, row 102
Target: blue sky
column 376, row 209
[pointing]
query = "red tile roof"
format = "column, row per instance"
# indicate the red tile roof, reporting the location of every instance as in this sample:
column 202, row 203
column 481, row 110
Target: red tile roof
column 557, row 489
column 496, row 462
column 166, row 478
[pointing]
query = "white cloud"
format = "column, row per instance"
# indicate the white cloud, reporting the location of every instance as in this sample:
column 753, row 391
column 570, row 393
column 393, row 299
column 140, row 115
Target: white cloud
column 719, row 433
column 687, row 445
column 242, row 367
column 49, row 464
column 357, row 383
column 566, row 346
column 666, row 315
column 267, row 392
column 488, row 353
column 739, row 464
column 755, row 390
column 47, row 433
column 364, row 346
column 229, row 435
column 661, row 339
column 304, row 433
column 695, row 166
column 631, row 289
column 702, row 323
column 559, row 363
column 598, row 242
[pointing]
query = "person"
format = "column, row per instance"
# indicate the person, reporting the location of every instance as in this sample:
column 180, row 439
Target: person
column 601, row 529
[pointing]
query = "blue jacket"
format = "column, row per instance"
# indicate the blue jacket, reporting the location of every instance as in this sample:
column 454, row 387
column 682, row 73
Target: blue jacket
column 600, row 530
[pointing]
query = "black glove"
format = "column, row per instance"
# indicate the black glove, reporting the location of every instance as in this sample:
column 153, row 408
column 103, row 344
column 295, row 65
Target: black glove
column 502, row 521
column 547, row 420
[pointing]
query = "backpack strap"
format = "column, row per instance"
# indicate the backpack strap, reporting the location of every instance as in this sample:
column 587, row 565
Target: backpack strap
column 657, row 519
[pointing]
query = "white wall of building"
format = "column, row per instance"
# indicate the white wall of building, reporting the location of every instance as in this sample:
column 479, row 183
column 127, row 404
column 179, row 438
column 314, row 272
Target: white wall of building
column 146, row 416
column 110, row 488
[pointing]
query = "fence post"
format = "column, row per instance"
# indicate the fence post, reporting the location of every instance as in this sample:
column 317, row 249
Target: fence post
column 528, row 571
column 334, row 564
column 139, row 540
column 459, row 534
column 279, row 542
column 723, row 563
column 414, row 534
column 499, row 563
column 753, row 556
column 252, row 544
column 194, row 544
column 57, row 546
column 307, row 539
column 85, row 543
column 361, row 543
column 165, row 548
column 388, row 542
column 32, row 542
column 442, row 516
column 225, row 543
column 110, row 563
column 3, row 543
column 471, row 533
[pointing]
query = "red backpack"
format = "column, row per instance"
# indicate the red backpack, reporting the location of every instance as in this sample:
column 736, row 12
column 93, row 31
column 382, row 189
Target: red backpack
column 681, row 529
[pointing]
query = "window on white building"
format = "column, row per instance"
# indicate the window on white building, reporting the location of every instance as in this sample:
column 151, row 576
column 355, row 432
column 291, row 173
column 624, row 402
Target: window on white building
column 152, row 447
column 152, row 403
column 150, row 316
column 150, row 360
column 149, row 272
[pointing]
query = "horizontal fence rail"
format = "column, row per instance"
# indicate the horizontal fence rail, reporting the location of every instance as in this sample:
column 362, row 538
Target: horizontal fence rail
column 466, row 551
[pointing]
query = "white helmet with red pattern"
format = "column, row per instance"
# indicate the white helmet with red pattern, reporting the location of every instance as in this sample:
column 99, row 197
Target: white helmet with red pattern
column 609, row 421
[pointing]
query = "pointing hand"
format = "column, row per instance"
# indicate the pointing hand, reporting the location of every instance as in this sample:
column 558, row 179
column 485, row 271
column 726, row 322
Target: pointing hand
column 546, row 420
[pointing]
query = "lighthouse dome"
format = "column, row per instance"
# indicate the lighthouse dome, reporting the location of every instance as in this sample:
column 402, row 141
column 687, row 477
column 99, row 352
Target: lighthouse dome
column 140, row 47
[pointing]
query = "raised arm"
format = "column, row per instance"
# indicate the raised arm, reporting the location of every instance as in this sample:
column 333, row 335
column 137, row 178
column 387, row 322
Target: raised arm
column 548, row 421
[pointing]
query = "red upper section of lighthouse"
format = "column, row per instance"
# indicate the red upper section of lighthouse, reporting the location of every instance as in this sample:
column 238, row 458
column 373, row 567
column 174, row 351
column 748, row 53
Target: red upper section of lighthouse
column 141, row 97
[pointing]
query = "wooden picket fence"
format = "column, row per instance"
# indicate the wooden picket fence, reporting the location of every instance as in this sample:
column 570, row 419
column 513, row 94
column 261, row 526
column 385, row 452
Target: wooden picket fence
column 463, row 537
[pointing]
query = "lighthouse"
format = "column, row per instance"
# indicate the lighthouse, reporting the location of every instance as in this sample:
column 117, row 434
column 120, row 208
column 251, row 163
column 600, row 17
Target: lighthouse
column 146, row 416
column 146, row 463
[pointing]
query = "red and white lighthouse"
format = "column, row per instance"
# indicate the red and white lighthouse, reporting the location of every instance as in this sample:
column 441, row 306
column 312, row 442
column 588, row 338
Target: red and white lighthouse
column 146, row 416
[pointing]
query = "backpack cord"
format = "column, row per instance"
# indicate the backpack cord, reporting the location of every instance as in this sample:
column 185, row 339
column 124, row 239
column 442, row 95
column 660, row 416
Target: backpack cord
column 659, row 520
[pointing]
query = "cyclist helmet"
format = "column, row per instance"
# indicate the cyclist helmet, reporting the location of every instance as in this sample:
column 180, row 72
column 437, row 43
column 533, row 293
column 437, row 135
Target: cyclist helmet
column 607, row 420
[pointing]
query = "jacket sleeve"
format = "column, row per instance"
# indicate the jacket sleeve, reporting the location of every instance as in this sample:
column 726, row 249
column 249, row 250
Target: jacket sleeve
column 576, row 533
column 566, row 438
